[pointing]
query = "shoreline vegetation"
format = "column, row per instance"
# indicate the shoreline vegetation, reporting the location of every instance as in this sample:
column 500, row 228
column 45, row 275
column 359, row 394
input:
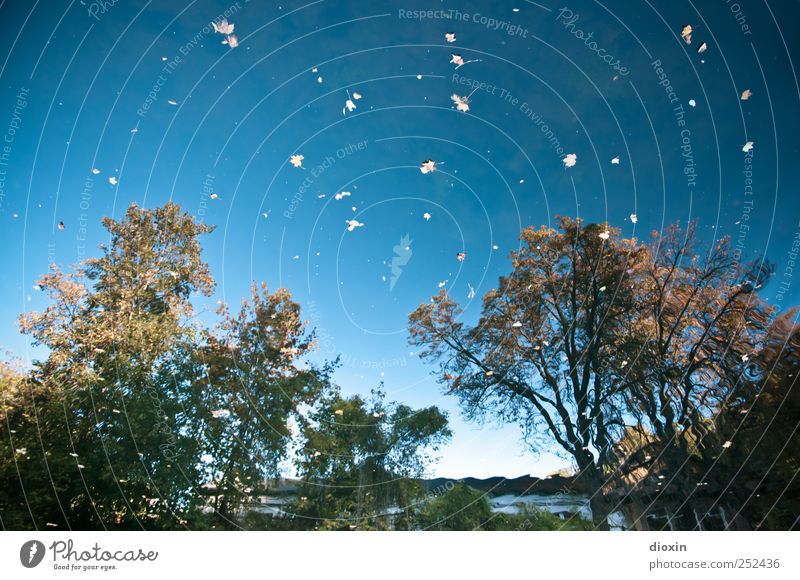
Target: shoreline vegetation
column 655, row 366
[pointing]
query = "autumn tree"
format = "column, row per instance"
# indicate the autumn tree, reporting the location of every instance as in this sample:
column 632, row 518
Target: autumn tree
column 702, row 321
column 593, row 337
column 542, row 351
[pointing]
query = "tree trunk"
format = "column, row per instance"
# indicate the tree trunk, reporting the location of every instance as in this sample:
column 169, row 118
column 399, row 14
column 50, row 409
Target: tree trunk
column 600, row 508
column 598, row 502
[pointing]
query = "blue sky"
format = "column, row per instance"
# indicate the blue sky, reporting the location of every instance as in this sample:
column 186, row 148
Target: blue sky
column 78, row 77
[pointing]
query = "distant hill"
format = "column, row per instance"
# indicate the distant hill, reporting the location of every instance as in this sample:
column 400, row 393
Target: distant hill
column 492, row 486
column 524, row 485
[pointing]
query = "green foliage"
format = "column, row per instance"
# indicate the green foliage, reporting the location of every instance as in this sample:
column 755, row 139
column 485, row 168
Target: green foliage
column 459, row 508
column 462, row 508
column 105, row 413
column 359, row 460
column 252, row 391
column 137, row 417
column 531, row 519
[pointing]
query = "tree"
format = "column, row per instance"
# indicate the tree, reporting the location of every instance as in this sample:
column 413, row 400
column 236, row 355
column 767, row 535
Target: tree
column 701, row 321
column 136, row 412
column 104, row 404
column 20, row 505
column 359, row 460
column 252, row 390
column 592, row 336
column 541, row 352
column 140, row 417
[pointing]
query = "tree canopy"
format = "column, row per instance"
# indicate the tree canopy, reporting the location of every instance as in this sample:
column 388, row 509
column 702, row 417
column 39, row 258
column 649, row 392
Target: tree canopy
column 139, row 417
column 361, row 459
column 594, row 339
column 655, row 366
